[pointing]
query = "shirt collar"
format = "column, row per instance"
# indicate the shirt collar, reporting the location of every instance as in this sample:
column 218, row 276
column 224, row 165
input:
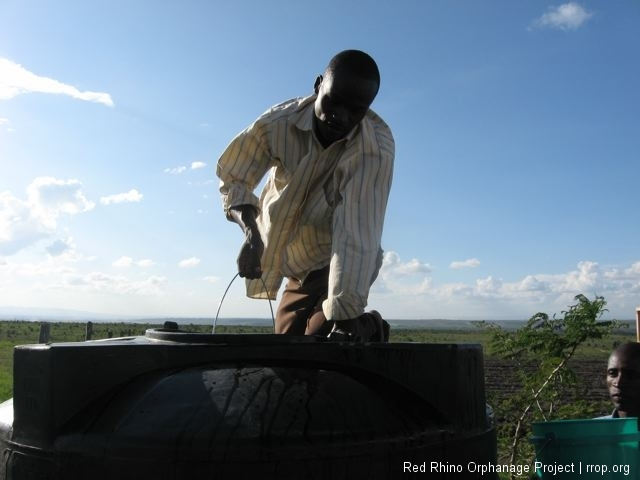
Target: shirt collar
column 303, row 117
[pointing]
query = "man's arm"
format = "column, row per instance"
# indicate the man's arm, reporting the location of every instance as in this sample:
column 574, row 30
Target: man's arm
column 364, row 182
column 251, row 251
column 240, row 168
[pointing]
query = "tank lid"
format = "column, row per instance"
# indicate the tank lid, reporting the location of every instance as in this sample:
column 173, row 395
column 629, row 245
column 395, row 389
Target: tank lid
column 180, row 336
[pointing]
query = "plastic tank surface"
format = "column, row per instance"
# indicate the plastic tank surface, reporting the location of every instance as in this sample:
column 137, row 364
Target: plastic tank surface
column 177, row 406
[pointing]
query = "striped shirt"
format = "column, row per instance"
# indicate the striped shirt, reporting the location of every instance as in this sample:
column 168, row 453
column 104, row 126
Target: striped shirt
column 319, row 206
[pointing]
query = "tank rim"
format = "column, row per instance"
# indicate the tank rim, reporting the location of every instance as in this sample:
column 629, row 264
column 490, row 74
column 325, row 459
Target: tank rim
column 180, row 336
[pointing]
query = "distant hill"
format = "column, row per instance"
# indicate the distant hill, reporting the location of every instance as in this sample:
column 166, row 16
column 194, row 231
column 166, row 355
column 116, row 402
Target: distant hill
column 67, row 315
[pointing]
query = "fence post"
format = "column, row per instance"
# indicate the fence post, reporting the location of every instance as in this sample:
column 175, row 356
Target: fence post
column 45, row 330
column 89, row 331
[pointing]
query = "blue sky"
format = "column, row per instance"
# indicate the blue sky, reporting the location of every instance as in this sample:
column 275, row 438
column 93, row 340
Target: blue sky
column 517, row 134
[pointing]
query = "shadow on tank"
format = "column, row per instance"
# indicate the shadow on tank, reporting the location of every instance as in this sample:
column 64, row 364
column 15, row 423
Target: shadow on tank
column 176, row 406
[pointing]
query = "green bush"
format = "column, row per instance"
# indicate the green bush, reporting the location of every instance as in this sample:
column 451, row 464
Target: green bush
column 539, row 352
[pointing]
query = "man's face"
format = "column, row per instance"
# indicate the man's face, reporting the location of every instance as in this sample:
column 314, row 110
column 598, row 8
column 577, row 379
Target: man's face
column 343, row 100
column 623, row 381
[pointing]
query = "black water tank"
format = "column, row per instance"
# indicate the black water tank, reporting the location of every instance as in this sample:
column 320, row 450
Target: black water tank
column 177, row 406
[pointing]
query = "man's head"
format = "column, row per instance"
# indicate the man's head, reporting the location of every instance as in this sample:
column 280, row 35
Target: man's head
column 345, row 91
column 623, row 379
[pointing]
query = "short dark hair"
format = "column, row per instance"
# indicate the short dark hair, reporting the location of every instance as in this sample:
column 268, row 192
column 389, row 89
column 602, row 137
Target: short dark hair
column 356, row 62
column 629, row 350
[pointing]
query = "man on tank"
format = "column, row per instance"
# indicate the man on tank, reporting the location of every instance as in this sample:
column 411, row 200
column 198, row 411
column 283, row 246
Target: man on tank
column 318, row 222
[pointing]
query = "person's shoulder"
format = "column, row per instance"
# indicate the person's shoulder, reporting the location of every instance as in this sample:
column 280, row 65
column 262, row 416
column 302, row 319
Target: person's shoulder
column 374, row 125
column 288, row 107
column 288, row 112
column 613, row 414
column 377, row 122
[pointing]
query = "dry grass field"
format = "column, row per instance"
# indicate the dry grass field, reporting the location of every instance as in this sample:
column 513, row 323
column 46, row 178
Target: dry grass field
column 588, row 365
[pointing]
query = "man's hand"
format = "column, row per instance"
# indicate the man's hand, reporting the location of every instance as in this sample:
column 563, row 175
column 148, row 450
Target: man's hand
column 250, row 255
column 252, row 249
column 368, row 327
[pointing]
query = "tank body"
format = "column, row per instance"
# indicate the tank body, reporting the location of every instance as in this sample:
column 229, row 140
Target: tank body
column 178, row 406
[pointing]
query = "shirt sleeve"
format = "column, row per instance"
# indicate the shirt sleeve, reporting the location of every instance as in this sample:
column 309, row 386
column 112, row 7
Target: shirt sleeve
column 241, row 167
column 363, row 185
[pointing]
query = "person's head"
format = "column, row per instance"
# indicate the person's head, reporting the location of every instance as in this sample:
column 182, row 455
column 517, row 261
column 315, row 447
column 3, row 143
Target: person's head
column 623, row 379
column 345, row 91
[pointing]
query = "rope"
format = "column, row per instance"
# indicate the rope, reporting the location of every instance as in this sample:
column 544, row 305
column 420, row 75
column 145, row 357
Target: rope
column 215, row 320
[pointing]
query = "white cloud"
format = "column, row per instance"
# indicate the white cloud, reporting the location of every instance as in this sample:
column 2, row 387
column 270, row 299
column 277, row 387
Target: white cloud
column 49, row 197
column 69, row 278
column 587, row 277
column 470, row 263
column 60, row 247
column 393, row 265
column 126, row 262
column 114, row 284
column 398, row 275
column 16, row 80
column 189, row 262
column 181, row 169
column 35, row 273
column 24, row 222
column 123, row 262
column 131, row 196
column 18, row 227
column 491, row 297
column 531, row 283
column 488, row 286
column 569, row 16
column 176, row 170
